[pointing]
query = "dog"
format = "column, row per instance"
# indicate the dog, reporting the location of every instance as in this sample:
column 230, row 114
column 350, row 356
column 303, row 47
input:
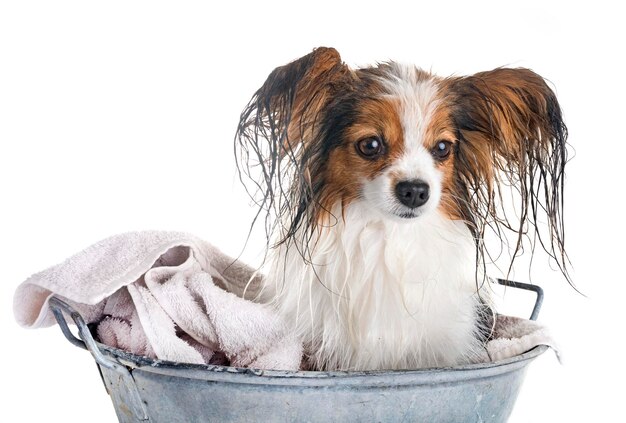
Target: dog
column 376, row 186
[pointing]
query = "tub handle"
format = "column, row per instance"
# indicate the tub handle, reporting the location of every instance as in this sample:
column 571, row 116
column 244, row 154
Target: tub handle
column 129, row 390
column 536, row 289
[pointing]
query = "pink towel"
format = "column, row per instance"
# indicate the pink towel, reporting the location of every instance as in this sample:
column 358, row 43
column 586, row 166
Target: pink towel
column 174, row 297
column 513, row 336
column 162, row 295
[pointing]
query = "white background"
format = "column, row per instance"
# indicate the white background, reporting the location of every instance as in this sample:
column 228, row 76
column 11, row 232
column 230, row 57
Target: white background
column 118, row 116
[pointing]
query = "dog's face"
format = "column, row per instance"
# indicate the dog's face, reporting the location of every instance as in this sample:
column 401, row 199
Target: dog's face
column 404, row 143
column 395, row 143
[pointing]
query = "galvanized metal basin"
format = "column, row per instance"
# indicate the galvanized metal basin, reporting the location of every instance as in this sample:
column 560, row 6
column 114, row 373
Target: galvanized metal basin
column 143, row 389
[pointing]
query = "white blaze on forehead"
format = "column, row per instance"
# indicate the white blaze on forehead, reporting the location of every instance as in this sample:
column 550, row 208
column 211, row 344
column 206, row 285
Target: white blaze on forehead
column 417, row 99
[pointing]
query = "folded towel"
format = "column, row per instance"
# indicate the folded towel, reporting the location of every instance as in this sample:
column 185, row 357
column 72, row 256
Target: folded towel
column 165, row 295
column 172, row 296
column 513, row 336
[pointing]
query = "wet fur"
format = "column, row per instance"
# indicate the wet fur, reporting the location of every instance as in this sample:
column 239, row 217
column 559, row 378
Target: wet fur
column 294, row 149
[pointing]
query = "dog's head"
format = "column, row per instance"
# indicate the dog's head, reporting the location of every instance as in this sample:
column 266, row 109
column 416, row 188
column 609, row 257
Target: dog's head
column 404, row 143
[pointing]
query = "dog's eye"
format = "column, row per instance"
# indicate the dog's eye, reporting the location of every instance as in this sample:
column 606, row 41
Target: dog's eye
column 442, row 149
column 370, row 148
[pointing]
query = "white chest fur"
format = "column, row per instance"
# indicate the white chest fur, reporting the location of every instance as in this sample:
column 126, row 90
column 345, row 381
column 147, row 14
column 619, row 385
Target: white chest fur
column 382, row 294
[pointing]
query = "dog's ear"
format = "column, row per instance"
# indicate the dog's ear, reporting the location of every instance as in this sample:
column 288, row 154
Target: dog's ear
column 275, row 145
column 285, row 109
column 510, row 128
column 511, row 118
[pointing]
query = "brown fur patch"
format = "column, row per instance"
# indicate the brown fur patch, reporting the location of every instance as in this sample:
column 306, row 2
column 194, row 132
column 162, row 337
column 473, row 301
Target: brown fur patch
column 441, row 128
column 347, row 169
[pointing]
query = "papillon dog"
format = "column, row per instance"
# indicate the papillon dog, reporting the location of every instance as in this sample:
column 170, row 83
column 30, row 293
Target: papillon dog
column 375, row 187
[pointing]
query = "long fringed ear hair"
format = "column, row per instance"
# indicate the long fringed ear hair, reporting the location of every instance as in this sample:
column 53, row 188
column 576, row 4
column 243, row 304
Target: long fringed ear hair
column 511, row 132
column 275, row 140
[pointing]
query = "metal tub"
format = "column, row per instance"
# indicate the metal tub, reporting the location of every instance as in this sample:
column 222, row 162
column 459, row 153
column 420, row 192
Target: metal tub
column 143, row 389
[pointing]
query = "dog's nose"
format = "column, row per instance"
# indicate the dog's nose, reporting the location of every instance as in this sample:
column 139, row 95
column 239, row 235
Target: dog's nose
column 412, row 193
